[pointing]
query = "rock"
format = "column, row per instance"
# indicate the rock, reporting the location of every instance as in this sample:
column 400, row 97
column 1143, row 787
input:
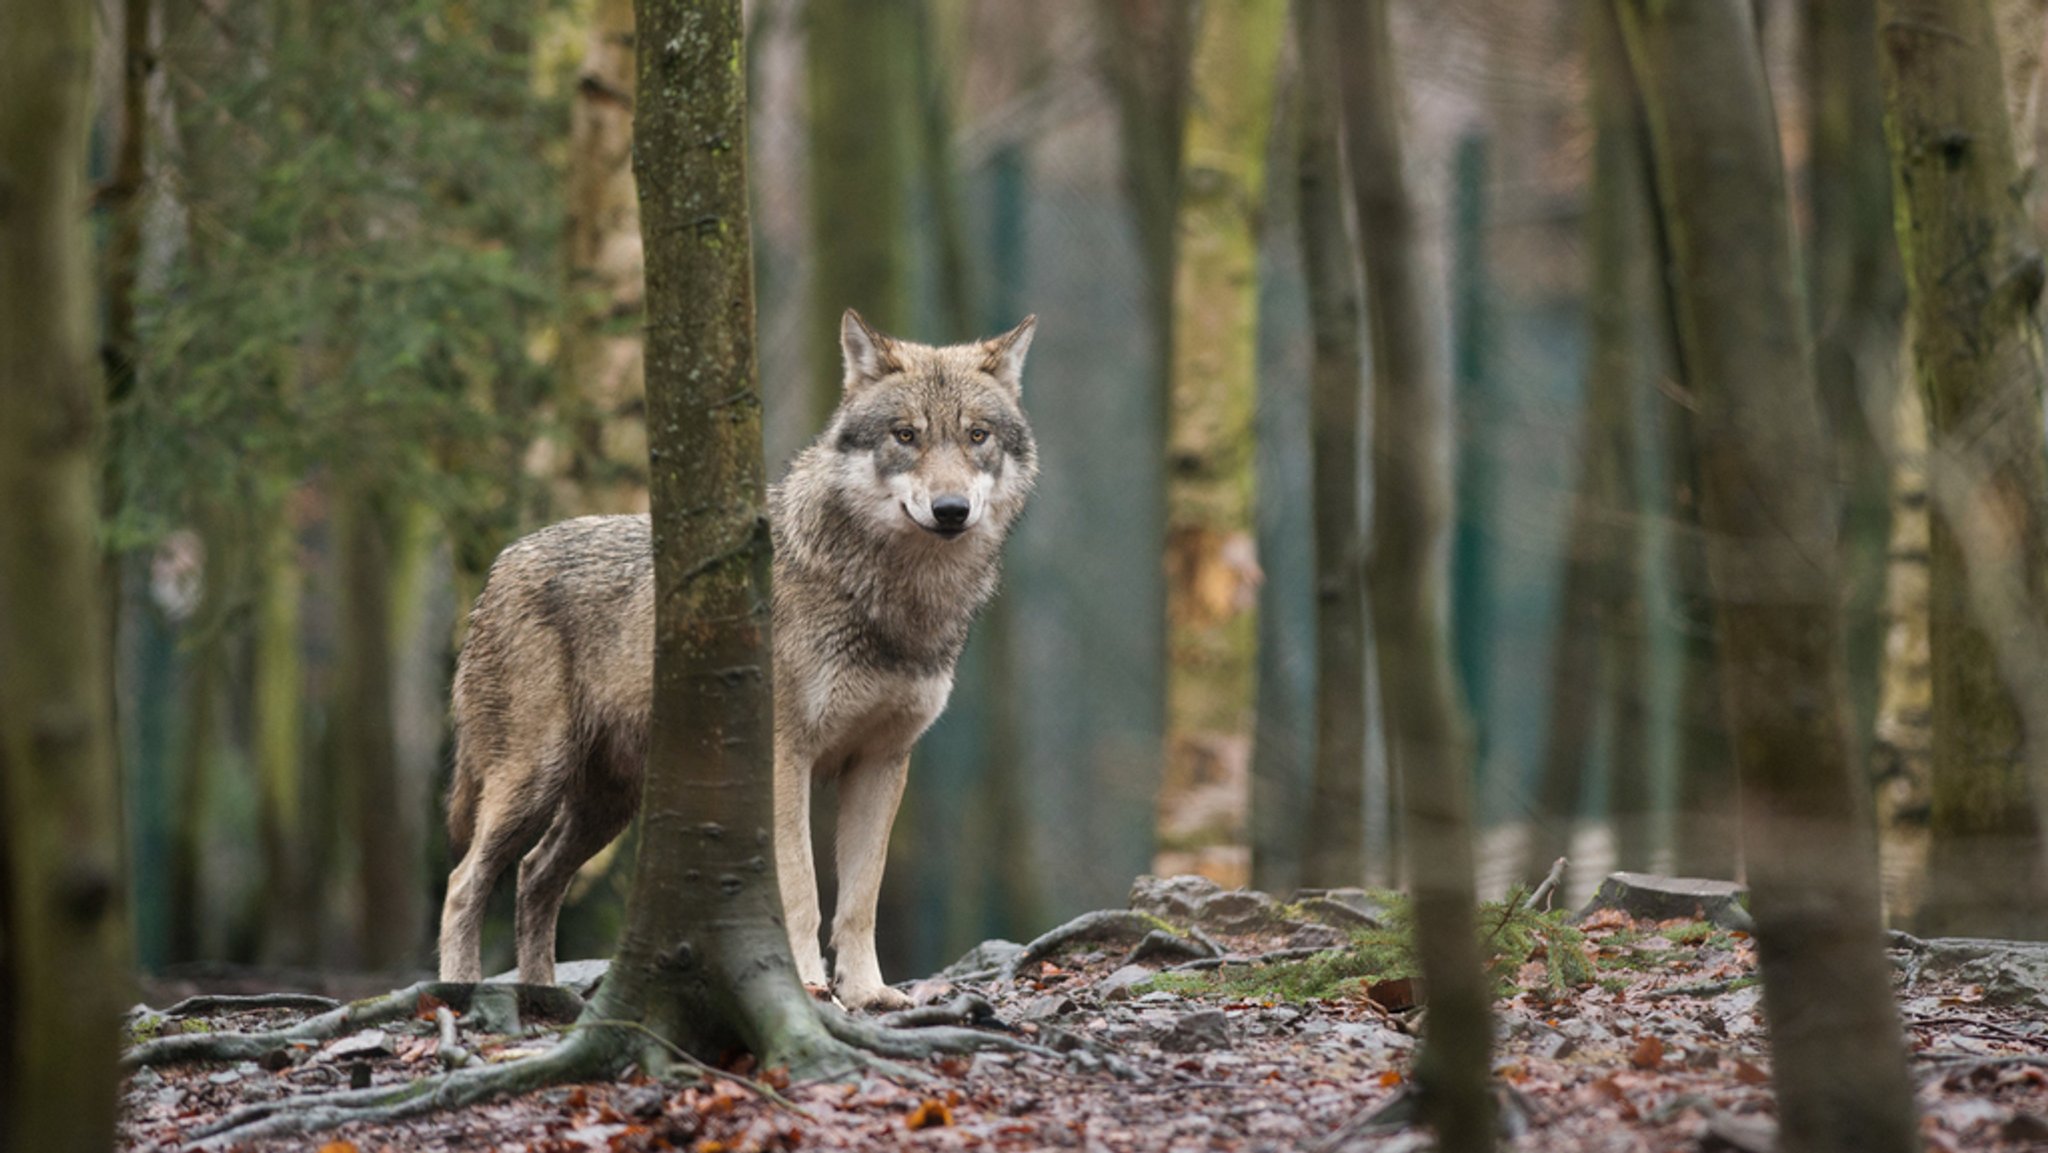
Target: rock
column 1047, row 1007
column 1196, row 1031
column 990, row 954
column 1238, row 911
column 1159, row 997
column 1648, row 896
column 1160, row 945
column 1343, row 908
column 1173, row 898
column 1301, row 935
column 146, row 1078
column 1117, row 986
column 225, row 1077
column 579, row 977
column 368, row 1043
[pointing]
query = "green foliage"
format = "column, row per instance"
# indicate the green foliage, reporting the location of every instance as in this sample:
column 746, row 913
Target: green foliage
column 1513, row 937
column 354, row 251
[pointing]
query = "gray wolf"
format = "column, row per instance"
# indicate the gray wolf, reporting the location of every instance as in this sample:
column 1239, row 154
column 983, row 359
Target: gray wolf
column 887, row 530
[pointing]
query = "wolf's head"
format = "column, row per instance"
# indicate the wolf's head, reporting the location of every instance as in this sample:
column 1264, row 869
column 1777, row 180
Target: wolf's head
column 931, row 440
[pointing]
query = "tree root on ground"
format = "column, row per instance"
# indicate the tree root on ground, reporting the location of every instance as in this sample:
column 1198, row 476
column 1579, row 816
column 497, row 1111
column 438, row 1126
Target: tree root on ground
column 216, row 1003
column 545, row 1001
column 1106, row 925
column 1207, row 963
column 922, row 1043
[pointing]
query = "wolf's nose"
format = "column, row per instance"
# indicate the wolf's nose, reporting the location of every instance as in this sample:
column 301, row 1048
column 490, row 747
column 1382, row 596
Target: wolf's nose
column 950, row 511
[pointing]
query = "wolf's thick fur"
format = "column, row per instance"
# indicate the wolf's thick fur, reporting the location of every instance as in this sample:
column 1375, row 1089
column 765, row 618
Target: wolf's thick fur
column 888, row 531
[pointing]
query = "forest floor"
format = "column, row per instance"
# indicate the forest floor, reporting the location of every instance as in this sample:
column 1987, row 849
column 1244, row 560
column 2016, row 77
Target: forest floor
column 1614, row 1034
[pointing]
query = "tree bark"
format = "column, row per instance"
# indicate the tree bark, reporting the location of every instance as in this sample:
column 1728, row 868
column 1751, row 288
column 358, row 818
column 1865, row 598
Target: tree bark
column 1974, row 275
column 1211, row 562
column 278, row 741
column 1838, row 1057
column 1857, row 301
column 863, row 155
column 63, row 923
column 1334, row 854
column 704, row 959
column 1428, row 743
column 602, row 389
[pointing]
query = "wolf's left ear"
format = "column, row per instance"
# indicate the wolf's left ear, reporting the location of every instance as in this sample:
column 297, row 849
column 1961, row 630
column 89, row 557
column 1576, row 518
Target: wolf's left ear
column 1003, row 357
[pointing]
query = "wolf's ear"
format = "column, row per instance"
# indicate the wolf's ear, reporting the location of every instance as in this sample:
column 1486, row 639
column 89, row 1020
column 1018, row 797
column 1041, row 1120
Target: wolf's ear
column 1003, row 357
column 870, row 356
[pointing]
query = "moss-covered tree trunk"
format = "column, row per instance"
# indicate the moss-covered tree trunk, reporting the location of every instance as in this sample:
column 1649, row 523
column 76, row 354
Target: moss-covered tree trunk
column 1857, row 300
column 863, row 156
column 1974, row 275
column 1428, row 743
column 63, row 926
column 1211, row 560
column 1597, row 652
column 1334, row 854
column 1838, row 1056
column 704, row 959
column 602, row 392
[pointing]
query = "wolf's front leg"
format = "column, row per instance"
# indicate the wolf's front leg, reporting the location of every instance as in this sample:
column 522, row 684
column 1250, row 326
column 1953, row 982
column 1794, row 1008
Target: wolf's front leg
column 868, row 796
column 795, row 866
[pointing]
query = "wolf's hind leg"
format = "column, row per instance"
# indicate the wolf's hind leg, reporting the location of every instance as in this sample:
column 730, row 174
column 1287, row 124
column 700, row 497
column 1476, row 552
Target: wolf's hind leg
column 581, row 827
column 869, row 794
column 795, row 867
column 492, row 849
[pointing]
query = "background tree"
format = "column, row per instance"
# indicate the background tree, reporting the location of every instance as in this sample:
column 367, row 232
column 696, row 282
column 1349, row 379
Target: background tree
column 1838, row 1054
column 1334, row 852
column 1211, row 560
column 1973, row 276
column 1428, row 744
column 63, row 924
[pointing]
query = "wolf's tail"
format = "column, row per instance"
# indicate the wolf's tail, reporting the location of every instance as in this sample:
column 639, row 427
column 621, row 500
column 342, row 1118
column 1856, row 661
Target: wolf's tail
column 462, row 799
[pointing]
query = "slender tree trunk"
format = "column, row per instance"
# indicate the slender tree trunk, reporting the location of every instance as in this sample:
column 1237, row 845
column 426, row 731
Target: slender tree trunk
column 388, row 888
column 63, row 925
column 1473, row 512
column 863, row 155
column 198, row 751
column 1857, row 300
column 602, row 392
column 279, row 694
column 1838, row 1057
column 1335, row 852
column 1429, row 747
column 704, row 959
column 1211, row 561
column 1974, row 277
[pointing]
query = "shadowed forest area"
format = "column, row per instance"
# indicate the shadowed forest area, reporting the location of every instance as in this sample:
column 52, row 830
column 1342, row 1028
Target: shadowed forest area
column 1530, row 627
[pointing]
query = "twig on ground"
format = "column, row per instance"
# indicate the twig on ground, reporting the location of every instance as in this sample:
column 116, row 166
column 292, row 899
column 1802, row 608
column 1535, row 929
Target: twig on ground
column 1700, row 989
column 1551, row 880
column 922, row 1043
column 451, row 1053
column 1207, row 963
column 1992, row 1028
column 759, row 1089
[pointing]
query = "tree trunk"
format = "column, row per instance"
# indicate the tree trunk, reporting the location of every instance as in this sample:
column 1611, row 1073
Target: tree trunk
column 1598, row 650
column 1334, row 854
column 1429, row 748
column 1856, row 299
column 63, row 924
column 863, row 154
column 388, row 887
column 278, row 744
column 1477, row 411
column 1838, row 1058
column 1211, row 562
column 1974, row 276
column 601, row 391
column 704, row 959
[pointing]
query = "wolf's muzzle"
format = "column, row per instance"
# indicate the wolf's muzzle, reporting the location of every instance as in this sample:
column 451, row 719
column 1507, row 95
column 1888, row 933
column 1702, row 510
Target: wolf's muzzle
column 950, row 514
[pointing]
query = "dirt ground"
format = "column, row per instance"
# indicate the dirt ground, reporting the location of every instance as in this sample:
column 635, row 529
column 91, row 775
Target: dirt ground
column 1663, row 1048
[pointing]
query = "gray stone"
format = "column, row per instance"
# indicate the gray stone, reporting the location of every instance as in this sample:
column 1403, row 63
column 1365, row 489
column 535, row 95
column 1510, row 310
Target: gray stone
column 1048, row 1007
column 1346, row 908
column 1238, row 911
column 368, row 1043
column 1117, row 986
column 990, row 954
column 579, row 977
column 1173, row 898
column 1196, row 1031
column 1651, row 897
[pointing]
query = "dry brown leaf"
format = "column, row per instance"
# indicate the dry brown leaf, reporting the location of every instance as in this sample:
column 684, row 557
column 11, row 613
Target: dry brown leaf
column 1648, row 1053
column 930, row 1112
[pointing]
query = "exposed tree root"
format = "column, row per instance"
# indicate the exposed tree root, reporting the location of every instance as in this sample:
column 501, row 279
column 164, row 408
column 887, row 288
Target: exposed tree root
column 1105, row 925
column 214, row 1003
column 965, row 1009
column 544, row 1001
column 920, row 1044
column 1205, row 964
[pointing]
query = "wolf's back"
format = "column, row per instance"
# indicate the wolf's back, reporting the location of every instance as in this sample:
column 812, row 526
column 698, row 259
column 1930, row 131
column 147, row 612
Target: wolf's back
column 560, row 643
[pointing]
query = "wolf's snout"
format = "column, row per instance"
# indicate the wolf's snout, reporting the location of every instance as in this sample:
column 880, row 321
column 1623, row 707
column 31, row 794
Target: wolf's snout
column 951, row 512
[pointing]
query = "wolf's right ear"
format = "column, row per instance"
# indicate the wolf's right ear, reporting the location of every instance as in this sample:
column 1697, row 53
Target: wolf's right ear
column 870, row 356
column 1003, row 357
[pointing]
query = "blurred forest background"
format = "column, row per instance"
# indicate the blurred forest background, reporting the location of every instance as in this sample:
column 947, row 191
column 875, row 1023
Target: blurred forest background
column 372, row 292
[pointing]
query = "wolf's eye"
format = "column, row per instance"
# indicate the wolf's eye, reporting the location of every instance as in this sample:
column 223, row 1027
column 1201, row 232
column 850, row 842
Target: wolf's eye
column 977, row 435
column 905, row 435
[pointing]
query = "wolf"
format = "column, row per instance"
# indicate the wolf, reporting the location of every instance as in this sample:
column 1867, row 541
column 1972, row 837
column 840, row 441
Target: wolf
column 888, row 533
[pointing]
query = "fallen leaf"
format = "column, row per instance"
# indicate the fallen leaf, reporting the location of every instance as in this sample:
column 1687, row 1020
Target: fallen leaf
column 1390, row 1078
column 929, row 1113
column 1749, row 1074
column 425, row 1006
column 1648, row 1053
column 339, row 1147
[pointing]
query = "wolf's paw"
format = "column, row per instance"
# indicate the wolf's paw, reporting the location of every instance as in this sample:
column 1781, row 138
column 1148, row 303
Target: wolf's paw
column 878, row 999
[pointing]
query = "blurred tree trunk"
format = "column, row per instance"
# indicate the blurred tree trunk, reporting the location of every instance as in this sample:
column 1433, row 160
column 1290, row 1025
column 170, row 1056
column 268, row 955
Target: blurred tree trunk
column 1974, row 276
column 863, row 155
column 1429, row 747
column 1476, row 408
column 601, row 391
column 1838, row 1057
column 205, row 671
column 63, row 923
column 1598, row 650
column 1211, row 562
column 1335, row 851
column 279, row 693
column 1856, row 300
column 388, row 886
